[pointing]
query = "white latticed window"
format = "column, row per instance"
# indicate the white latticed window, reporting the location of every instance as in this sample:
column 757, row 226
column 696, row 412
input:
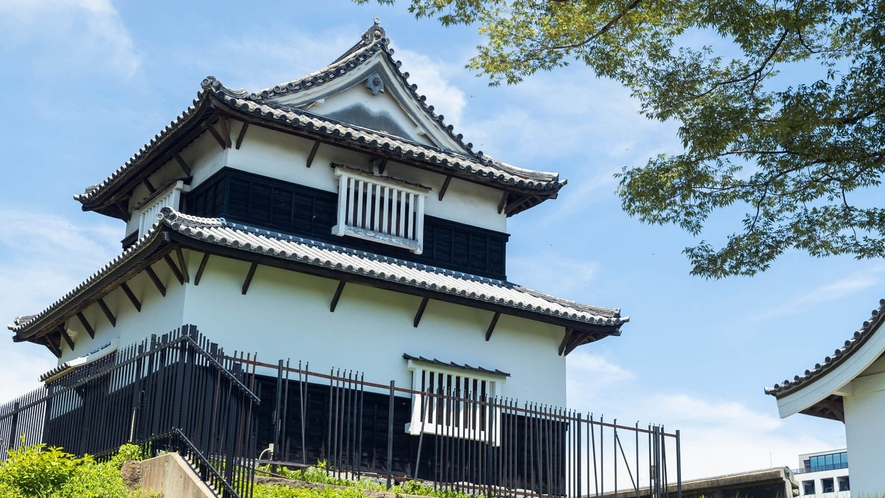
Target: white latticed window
column 146, row 214
column 380, row 209
column 456, row 403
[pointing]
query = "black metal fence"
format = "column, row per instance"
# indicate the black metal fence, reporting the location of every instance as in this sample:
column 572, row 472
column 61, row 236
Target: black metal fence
column 177, row 392
column 456, row 438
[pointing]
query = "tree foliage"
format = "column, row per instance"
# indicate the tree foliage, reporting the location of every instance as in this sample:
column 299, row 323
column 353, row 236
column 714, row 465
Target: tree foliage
column 779, row 103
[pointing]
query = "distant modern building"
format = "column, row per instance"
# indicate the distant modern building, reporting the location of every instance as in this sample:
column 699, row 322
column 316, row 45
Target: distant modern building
column 848, row 386
column 824, row 474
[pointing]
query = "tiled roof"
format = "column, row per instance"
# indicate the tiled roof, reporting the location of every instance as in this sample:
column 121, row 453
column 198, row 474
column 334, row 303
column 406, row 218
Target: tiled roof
column 870, row 326
column 256, row 104
column 452, row 364
column 223, row 233
column 374, row 40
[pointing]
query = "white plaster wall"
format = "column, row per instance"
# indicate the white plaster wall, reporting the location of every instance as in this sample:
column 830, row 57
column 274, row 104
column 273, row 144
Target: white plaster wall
column 158, row 315
column 204, row 157
column 286, row 315
column 865, row 436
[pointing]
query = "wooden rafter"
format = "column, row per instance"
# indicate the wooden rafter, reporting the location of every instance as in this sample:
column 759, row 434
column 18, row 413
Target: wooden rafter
column 214, row 132
column 565, row 340
column 420, row 313
column 174, row 268
column 337, row 296
column 202, row 267
column 313, row 153
column 66, row 337
column 492, row 325
column 225, row 132
column 182, row 164
column 107, row 313
column 132, row 299
column 511, row 208
column 156, row 280
column 382, row 166
column 150, row 186
column 249, row 276
column 182, row 264
column 86, row 325
column 445, row 186
column 242, row 135
column 52, row 347
column 502, row 202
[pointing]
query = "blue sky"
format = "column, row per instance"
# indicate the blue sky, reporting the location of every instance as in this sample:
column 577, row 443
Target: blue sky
column 88, row 82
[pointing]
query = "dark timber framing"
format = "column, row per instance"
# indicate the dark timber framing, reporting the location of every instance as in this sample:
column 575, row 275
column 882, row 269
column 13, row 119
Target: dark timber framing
column 242, row 135
column 134, row 300
column 313, row 153
column 150, row 186
column 492, row 325
column 174, row 269
column 200, row 270
column 225, row 131
column 156, row 280
column 85, row 323
column 107, row 313
column 337, row 296
column 217, row 136
column 182, row 264
column 445, row 186
column 502, row 202
column 420, row 313
column 66, row 337
column 249, row 276
column 182, row 164
column 52, row 347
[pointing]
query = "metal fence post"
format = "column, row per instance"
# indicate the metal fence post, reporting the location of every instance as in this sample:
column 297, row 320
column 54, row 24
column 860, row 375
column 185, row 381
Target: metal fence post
column 678, row 465
column 390, row 434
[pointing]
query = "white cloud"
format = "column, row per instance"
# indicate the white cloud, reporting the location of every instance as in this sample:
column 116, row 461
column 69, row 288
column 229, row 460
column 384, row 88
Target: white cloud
column 832, row 291
column 719, row 436
column 65, row 36
column 42, row 257
column 551, row 272
column 431, row 76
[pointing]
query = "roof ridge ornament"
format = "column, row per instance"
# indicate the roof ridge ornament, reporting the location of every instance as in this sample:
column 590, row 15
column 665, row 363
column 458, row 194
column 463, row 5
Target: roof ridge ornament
column 374, row 33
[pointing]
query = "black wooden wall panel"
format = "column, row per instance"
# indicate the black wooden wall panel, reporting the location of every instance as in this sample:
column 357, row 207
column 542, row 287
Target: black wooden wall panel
column 290, row 208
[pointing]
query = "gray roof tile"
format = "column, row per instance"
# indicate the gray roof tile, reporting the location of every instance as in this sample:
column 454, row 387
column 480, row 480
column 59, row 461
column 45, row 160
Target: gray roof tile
column 476, row 164
column 224, row 233
column 452, row 364
column 854, row 343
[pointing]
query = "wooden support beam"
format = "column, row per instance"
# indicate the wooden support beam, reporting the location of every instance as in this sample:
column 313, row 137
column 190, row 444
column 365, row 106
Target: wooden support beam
column 337, row 296
column 382, row 166
column 492, row 325
column 150, row 186
column 420, row 313
column 182, row 264
column 516, row 205
column 156, row 280
column 218, row 138
column 313, row 153
column 242, row 135
column 225, row 132
column 52, row 347
column 249, row 278
column 182, row 164
column 134, row 300
column 85, row 323
column 202, row 267
column 445, row 186
column 124, row 209
column 174, row 268
column 502, row 202
column 107, row 312
column 66, row 337
column 565, row 340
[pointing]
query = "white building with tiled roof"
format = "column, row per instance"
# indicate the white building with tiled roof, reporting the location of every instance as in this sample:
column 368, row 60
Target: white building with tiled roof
column 848, row 386
column 334, row 219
